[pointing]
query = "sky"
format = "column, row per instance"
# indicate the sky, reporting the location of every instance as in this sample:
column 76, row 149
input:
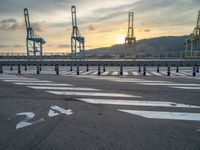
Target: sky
column 102, row 23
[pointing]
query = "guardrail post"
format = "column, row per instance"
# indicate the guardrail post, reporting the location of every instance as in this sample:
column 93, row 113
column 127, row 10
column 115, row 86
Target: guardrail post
column 158, row 69
column 121, row 70
column 25, row 68
column 194, row 72
column 57, row 69
column 1, row 69
column 38, row 69
column 99, row 70
column 197, row 69
column 19, row 69
column 177, row 69
column 139, row 69
column 144, row 71
column 77, row 70
column 87, row 68
column 71, row 68
column 104, row 68
column 168, row 71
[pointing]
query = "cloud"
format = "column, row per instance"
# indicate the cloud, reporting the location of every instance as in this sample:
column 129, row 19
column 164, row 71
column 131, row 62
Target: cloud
column 147, row 30
column 17, row 46
column 39, row 26
column 10, row 20
column 64, row 46
column 4, row 46
column 14, row 25
column 91, row 28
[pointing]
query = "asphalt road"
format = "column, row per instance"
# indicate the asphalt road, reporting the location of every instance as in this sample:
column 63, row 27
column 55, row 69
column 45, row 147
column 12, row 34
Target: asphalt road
column 57, row 112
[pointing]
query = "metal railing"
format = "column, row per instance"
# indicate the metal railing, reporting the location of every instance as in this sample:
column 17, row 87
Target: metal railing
column 110, row 56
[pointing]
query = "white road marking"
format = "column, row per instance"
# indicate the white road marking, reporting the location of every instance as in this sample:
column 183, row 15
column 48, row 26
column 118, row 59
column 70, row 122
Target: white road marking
column 136, row 103
column 171, row 84
column 105, row 73
column 148, row 74
column 135, row 73
column 27, row 120
column 91, row 94
column 25, row 81
column 52, row 113
column 42, row 84
column 165, row 115
column 125, row 73
column 115, row 73
column 62, row 88
column 62, row 110
column 94, row 73
column 156, row 73
column 20, row 78
column 187, row 88
column 134, row 80
column 86, row 73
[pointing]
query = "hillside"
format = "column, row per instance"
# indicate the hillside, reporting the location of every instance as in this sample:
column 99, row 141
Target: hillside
column 159, row 44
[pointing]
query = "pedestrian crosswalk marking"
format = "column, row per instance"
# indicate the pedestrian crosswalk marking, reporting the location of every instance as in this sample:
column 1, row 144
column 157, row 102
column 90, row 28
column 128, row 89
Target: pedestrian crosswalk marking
column 135, row 73
column 187, row 88
column 33, row 81
column 62, row 88
column 136, row 103
column 42, row 84
column 164, row 115
column 115, row 73
column 91, row 94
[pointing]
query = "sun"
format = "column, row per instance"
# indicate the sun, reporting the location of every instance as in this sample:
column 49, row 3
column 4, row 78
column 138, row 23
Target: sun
column 120, row 39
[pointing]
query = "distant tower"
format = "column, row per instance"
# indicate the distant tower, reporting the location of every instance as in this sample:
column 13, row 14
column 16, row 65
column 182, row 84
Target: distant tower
column 34, row 43
column 77, row 40
column 130, row 39
column 193, row 41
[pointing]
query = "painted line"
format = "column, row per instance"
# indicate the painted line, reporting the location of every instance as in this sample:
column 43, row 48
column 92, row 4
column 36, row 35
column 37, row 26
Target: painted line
column 170, row 84
column 43, row 84
column 86, row 73
column 62, row 88
column 165, row 115
column 94, row 73
column 62, row 110
column 115, row 73
column 178, row 74
column 135, row 73
column 148, row 74
column 157, row 74
column 17, row 78
column 136, row 81
column 125, row 73
column 105, row 73
column 187, row 88
column 136, row 103
column 92, row 94
column 33, row 81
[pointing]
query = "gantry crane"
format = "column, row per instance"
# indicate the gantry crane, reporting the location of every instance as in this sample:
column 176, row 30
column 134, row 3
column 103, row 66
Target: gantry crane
column 34, row 43
column 193, row 41
column 130, row 39
column 77, row 40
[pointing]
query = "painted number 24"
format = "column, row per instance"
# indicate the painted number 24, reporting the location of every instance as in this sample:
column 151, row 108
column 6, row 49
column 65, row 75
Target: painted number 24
column 28, row 120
